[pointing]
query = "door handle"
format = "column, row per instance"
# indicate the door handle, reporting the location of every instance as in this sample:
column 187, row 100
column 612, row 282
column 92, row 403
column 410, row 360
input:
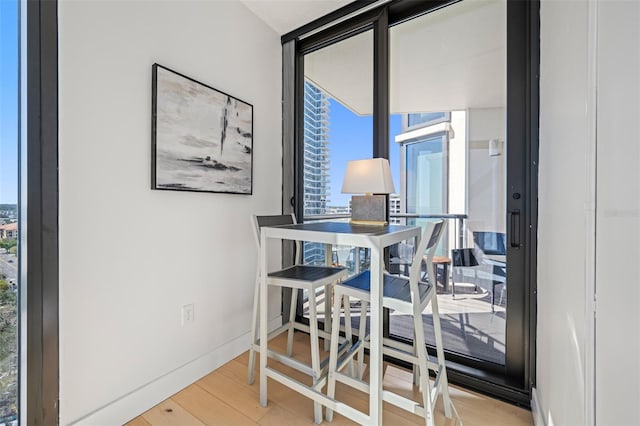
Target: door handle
column 515, row 228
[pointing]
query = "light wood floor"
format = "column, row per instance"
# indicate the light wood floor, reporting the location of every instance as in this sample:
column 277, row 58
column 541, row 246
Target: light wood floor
column 223, row 397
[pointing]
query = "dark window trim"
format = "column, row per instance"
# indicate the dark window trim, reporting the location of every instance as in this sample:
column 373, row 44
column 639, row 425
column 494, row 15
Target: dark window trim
column 40, row 209
column 326, row 19
column 398, row 11
column 402, row 11
column 381, row 82
column 523, row 61
column 339, row 32
column 298, row 148
column 531, row 213
column 523, row 46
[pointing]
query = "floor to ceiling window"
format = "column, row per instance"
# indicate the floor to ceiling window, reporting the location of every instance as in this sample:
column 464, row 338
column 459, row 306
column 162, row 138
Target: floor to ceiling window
column 446, row 89
column 9, row 226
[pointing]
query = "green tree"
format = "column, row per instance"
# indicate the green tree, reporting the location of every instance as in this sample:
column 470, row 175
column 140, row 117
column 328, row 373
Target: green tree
column 8, row 320
column 8, row 351
column 8, row 243
column 7, row 296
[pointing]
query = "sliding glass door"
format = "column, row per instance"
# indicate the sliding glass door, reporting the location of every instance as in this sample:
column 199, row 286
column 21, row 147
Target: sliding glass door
column 448, row 89
column 446, row 92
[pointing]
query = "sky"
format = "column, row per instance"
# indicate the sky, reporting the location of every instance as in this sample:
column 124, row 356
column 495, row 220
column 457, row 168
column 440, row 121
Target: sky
column 350, row 138
column 8, row 101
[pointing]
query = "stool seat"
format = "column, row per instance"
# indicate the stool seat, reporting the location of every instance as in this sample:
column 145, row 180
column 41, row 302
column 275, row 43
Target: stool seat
column 394, row 288
column 310, row 273
column 441, row 262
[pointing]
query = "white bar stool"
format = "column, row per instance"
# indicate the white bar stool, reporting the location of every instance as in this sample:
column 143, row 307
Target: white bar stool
column 296, row 277
column 410, row 297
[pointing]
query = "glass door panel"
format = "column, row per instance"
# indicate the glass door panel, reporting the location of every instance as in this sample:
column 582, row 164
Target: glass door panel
column 448, row 89
column 338, row 127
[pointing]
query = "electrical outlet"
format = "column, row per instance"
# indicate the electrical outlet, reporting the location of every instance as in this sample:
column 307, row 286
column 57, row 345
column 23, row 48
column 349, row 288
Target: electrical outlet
column 187, row 314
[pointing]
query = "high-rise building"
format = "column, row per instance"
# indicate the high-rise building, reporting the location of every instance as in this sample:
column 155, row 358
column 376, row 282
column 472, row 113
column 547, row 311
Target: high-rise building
column 316, row 150
column 316, row 161
column 395, row 208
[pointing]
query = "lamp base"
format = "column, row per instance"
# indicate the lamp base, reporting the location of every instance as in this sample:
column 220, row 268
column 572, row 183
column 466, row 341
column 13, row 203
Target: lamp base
column 369, row 210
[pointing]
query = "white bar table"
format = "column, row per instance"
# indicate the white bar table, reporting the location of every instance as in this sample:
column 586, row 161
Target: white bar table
column 376, row 238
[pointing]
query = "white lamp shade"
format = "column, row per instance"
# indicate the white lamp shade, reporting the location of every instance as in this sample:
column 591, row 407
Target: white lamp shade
column 371, row 176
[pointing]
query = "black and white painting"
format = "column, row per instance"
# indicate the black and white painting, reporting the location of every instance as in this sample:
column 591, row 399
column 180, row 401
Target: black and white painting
column 202, row 139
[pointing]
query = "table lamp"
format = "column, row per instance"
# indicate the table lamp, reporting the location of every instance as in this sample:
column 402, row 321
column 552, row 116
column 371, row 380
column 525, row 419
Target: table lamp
column 371, row 177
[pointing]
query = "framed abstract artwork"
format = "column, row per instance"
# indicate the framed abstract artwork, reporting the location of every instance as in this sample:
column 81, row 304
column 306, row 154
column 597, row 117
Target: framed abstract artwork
column 201, row 138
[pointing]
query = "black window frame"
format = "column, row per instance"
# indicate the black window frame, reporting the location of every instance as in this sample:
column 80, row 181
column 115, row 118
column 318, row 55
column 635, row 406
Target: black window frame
column 38, row 202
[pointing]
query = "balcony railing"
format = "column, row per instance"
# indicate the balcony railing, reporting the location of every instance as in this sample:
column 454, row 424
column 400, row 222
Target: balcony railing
column 458, row 218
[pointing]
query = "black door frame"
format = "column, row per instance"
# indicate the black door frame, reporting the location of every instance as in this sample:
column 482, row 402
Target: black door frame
column 513, row 382
column 38, row 204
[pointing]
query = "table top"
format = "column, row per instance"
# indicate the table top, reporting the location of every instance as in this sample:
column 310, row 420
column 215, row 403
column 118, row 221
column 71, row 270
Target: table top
column 347, row 228
column 343, row 233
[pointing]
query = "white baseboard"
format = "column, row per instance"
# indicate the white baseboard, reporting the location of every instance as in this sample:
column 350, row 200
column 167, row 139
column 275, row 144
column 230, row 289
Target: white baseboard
column 536, row 410
column 140, row 400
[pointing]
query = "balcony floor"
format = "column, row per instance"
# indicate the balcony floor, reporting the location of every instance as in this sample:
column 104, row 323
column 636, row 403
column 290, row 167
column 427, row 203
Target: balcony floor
column 469, row 326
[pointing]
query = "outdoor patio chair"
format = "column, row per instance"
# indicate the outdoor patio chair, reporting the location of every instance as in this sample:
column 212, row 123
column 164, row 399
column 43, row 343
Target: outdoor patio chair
column 494, row 251
column 488, row 272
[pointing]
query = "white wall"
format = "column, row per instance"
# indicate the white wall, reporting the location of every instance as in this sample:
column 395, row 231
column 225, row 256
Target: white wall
column 130, row 257
column 590, row 62
column 618, row 215
column 562, row 208
column 487, row 174
column 458, row 145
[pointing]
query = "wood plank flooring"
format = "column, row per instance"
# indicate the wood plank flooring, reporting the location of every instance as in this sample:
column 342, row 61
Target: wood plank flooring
column 223, row 397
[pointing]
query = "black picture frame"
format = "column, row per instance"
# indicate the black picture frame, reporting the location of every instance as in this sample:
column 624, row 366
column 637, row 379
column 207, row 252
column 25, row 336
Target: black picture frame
column 201, row 137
